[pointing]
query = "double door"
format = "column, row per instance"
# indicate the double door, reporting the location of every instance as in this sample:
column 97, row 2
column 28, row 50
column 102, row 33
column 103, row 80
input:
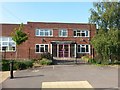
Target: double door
column 64, row 50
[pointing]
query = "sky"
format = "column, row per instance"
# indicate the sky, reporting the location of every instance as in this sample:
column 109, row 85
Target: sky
column 23, row 12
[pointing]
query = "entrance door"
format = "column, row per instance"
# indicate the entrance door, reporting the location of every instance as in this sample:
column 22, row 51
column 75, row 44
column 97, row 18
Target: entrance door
column 63, row 50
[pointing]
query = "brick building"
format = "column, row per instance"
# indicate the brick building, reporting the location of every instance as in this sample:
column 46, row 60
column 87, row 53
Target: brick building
column 62, row 40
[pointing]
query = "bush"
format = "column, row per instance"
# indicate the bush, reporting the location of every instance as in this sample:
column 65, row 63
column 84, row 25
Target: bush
column 92, row 61
column 18, row 65
column 23, row 64
column 86, row 58
column 45, row 55
column 5, row 65
column 45, row 61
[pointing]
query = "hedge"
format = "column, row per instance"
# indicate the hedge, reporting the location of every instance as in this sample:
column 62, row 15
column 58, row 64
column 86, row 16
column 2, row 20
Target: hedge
column 18, row 65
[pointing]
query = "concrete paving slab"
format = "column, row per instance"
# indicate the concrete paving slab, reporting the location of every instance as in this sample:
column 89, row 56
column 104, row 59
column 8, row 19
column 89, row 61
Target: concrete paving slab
column 67, row 84
column 4, row 75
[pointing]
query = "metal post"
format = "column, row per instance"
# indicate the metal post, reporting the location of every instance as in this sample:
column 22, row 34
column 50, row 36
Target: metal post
column 11, row 69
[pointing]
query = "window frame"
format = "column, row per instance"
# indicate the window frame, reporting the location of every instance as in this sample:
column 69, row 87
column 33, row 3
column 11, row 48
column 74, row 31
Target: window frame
column 85, row 48
column 38, row 30
column 39, row 48
column 76, row 31
column 8, row 46
column 62, row 30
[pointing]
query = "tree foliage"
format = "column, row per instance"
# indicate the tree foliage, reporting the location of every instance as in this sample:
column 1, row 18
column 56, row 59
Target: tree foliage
column 106, row 15
column 19, row 36
column 107, row 41
column 107, row 44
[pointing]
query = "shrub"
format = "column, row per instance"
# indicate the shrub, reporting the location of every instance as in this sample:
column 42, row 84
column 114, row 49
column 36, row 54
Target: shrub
column 85, row 58
column 18, row 65
column 45, row 61
column 23, row 64
column 92, row 61
column 5, row 65
column 45, row 55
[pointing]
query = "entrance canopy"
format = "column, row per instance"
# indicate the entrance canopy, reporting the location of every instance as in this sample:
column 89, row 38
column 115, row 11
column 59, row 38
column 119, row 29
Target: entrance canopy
column 63, row 42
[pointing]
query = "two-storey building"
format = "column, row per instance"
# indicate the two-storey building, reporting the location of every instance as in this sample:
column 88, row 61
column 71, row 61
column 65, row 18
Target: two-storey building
column 62, row 40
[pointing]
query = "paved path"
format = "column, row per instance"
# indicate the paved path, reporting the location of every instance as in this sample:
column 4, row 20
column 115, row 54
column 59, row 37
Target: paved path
column 67, row 84
column 97, row 76
column 4, row 75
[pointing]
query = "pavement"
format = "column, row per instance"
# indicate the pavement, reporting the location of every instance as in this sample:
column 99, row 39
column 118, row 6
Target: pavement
column 97, row 76
column 67, row 84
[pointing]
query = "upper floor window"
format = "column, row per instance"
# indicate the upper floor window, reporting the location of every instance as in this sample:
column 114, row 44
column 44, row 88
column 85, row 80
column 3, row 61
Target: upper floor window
column 81, row 33
column 63, row 33
column 7, row 44
column 41, row 48
column 83, row 48
column 44, row 32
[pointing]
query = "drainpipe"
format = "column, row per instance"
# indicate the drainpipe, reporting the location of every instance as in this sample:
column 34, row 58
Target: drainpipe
column 76, row 53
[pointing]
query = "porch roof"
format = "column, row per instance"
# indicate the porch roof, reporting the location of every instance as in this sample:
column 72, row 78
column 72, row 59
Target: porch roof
column 63, row 42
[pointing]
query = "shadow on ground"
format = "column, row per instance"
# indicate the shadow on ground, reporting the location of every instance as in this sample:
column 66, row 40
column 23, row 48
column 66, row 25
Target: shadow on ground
column 28, row 76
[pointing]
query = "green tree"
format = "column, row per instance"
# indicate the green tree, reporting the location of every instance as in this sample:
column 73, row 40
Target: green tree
column 107, row 42
column 106, row 15
column 19, row 36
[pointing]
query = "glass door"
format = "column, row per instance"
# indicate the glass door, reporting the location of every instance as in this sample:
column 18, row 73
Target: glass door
column 63, row 50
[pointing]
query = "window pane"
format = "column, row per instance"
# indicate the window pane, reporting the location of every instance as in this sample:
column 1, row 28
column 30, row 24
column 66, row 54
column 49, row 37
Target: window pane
column 86, row 33
column 78, row 34
column 46, row 48
column 5, row 43
column 82, row 49
column 4, row 39
column 83, row 34
column 41, row 49
column 37, row 48
column 78, row 48
column 87, row 48
column 41, row 45
column 46, row 33
column 37, row 31
column 0, row 38
column 41, row 33
column 11, row 44
column 10, row 39
column 75, row 33
column 64, row 33
column 50, row 32
column 11, row 48
column 60, row 33
column 4, row 48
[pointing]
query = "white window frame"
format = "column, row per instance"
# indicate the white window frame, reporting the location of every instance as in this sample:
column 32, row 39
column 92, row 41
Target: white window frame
column 8, row 41
column 39, row 47
column 63, row 30
column 44, row 30
column 85, row 48
column 81, row 31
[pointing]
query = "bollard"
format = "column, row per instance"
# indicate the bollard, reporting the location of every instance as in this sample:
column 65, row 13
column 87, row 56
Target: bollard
column 11, row 69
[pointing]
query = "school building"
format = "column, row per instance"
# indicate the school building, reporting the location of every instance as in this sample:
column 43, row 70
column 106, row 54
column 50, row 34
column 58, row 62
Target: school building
column 62, row 40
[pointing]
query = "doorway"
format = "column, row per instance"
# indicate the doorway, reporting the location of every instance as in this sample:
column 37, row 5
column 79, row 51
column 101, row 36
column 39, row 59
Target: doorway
column 64, row 50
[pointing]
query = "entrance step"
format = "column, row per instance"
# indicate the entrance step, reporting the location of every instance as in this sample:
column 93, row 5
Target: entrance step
column 68, row 61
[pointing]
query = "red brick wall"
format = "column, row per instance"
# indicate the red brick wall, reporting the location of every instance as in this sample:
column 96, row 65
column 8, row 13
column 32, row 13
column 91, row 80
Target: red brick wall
column 27, row 49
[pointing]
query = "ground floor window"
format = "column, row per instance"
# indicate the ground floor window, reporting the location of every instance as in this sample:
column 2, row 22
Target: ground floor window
column 7, row 44
column 41, row 48
column 82, row 48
